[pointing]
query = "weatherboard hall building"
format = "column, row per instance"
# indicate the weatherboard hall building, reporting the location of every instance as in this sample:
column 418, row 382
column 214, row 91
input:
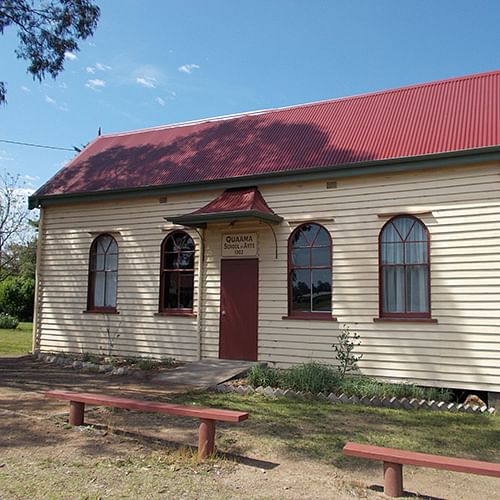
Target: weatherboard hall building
column 258, row 236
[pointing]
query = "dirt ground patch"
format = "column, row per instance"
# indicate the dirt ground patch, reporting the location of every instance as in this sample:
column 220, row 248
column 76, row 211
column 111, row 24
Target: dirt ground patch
column 123, row 454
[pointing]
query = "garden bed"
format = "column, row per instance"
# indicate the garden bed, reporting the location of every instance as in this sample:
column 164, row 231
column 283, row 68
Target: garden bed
column 317, row 381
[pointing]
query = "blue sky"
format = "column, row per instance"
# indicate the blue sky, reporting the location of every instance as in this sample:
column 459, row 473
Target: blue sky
column 155, row 62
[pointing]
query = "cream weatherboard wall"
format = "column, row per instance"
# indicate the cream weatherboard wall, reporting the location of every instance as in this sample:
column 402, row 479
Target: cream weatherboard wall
column 460, row 206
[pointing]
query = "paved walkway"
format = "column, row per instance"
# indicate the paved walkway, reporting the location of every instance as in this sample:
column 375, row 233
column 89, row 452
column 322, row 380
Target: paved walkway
column 202, row 374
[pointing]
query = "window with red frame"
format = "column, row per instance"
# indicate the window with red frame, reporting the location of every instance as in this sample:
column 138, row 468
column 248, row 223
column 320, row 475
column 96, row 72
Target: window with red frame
column 177, row 273
column 404, row 268
column 310, row 271
column 103, row 274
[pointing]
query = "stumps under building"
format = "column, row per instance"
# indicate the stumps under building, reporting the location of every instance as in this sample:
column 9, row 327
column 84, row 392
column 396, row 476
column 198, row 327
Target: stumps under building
column 258, row 236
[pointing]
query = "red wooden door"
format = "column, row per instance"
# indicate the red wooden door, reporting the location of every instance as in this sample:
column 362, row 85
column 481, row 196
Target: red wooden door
column 238, row 309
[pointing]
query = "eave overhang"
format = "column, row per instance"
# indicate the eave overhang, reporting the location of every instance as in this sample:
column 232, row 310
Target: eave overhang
column 392, row 165
column 201, row 221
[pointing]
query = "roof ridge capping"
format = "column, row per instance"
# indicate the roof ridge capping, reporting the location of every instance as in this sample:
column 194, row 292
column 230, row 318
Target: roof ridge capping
column 320, row 102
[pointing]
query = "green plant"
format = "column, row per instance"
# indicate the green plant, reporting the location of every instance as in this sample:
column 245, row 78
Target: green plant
column 7, row 321
column 264, row 376
column 146, row 364
column 311, row 377
column 88, row 357
column 167, row 362
column 369, row 387
column 17, row 295
column 347, row 341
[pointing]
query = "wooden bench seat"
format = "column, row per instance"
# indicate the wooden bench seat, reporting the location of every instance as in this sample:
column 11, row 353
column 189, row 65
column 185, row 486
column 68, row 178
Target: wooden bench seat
column 394, row 459
column 208, row 416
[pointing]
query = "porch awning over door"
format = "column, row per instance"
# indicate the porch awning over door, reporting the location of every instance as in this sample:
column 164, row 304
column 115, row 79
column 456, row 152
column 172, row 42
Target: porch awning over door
column 232, row 205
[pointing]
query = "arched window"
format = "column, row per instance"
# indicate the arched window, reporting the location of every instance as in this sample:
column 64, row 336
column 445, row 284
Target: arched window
column 310, row 272
column 103, row 274
column 404, row 268
column 177, row 273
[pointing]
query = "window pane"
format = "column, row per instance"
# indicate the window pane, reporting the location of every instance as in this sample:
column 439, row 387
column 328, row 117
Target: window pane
column 110, row 289
column 416, row 289
column 322, row 290
column 179, row 240
column 418, row 233
column 416, row 253
column 301, row 290
column 112, row 262
column 393, row 289
column 103, row 243
column 98, row 261
column 186, row 260
column 186, row 290
column 299, row 239
column 188, row 244
column 171, row 261
column 300, row 257
column 323, row 238
column 99, row 279
column 403, row 225
column 392, row 253
column 389, row 234
column 169, row 244
column 321, row 256
column 170, row 300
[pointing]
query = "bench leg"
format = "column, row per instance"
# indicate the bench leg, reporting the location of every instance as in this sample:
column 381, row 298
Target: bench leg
column 206, row 438
column 393, row 479
column 76, row 412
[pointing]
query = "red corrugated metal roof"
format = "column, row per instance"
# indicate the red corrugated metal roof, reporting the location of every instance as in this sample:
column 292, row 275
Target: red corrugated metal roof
column 236, row 200
column 443, row 116
column 236, row 203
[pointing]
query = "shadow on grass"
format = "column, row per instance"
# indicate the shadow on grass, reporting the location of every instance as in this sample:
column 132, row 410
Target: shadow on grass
column 318, row 430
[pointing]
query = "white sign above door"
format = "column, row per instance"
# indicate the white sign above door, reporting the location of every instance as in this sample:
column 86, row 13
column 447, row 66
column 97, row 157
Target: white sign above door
column 239, row 245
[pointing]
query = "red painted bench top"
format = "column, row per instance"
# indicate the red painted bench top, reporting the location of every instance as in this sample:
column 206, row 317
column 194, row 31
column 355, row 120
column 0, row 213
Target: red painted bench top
column 396, row 456
column 134, row 404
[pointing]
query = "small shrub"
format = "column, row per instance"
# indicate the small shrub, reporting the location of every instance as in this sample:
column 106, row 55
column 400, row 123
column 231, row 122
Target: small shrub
column 311, row 377
column 88, row 357
column 146, row 364
column 167, row 362
column 347, row 341
column 8, row 321
column 264, row 376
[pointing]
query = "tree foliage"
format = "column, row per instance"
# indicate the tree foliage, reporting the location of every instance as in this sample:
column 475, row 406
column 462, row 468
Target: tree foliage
column 15, row 230
column 46, row 31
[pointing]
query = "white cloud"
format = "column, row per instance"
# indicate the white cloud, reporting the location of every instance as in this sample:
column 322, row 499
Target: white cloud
column 63, row 107
column 70, row 56
column 4, row 156
column 90, row 69
column 147, row 81
column 62, row 85
column 50, row 100
column 160, row 101
column 173, row 93
column 95, row 84
column 30, row 178
column 25, row 89
column 103, row 67
column 187, row 68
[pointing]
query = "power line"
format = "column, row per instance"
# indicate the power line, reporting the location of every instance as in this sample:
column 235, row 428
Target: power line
column 36, row 145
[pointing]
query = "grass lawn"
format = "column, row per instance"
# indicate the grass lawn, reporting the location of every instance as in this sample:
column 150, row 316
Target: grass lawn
column 318, row 430
column 16, row 342
column 301, row 439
